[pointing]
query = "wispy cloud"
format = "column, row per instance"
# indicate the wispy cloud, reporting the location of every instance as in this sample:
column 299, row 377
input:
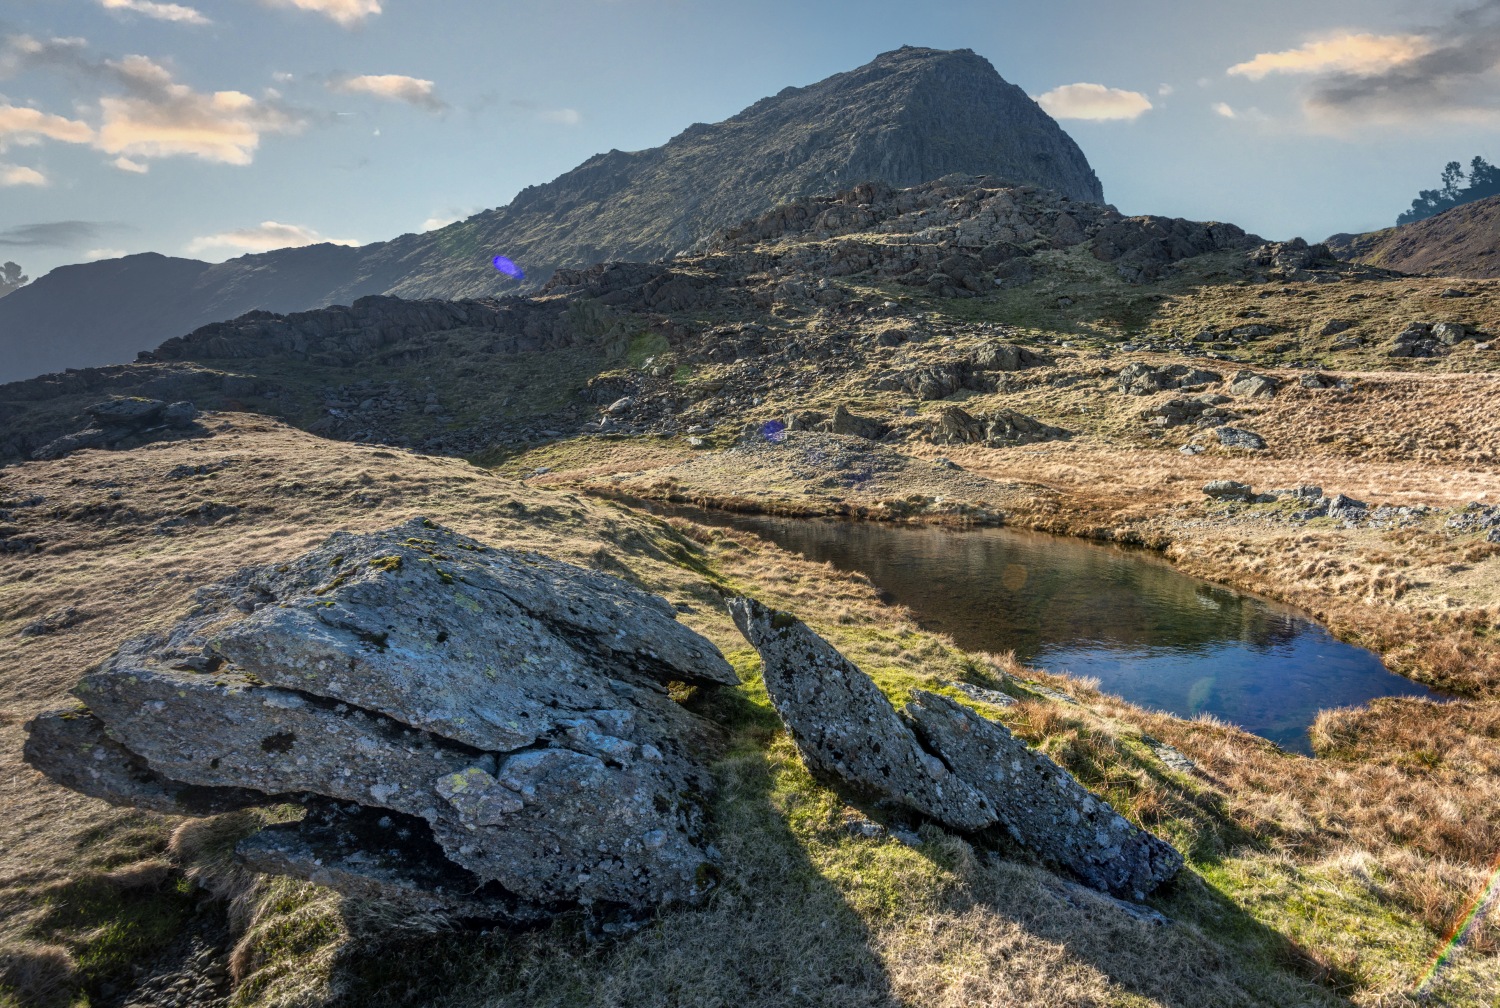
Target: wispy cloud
column 159, row 11
column 52, row 234
column 19, row 175
column 1442, row 73
column 20, row 124
column 392, row 87
column 263, row 237
column 345, row 12
column 126, row 165
column 103, row 253
column 1226, row 110
column 150, row 115
column 565, row 116
column 1093, row 101
column 1349, row 53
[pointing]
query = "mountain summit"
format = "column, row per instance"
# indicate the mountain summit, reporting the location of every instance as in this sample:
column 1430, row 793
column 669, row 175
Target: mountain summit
column 908, row 116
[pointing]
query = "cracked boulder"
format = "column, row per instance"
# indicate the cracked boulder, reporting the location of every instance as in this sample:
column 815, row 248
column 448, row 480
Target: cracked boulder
column 516, row 706
column 943, row 761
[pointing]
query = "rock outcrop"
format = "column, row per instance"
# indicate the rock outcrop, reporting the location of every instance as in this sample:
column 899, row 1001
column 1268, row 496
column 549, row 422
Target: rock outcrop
column 125, row 422
column 510, row 710
column 943, row 761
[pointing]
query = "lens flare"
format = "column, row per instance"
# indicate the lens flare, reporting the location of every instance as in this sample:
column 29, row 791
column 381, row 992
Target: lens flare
column 1483, row 904
column 507, row 267
column 773, row 431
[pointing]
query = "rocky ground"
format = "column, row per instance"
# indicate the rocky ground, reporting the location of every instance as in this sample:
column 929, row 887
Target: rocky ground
column 1266, row 416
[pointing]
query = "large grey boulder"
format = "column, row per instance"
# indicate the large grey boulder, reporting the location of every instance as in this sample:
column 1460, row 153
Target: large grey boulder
column 943, row 761
column 1040, row 804
column 515, row 705
column 845, row 728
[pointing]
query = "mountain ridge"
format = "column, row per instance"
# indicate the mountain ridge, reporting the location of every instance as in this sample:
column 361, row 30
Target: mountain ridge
column 1461, row 242
column 907, row 117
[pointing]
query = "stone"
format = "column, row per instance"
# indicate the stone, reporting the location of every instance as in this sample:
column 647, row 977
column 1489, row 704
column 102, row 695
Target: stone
column 943, row 761
column 845, row 422
column 381, row 857
column 129, row 411
column 1228, row 490
column 1256, row 386
column 1235, row 437
column 1335, row 326
column 845, row 728
column 1006, row 357
column 1450, row 333
column 1040, row 805
column 514, row 704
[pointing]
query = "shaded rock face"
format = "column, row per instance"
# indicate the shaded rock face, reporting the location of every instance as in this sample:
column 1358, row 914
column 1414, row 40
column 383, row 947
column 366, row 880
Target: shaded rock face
column 943, row 761
column 908, row 116
column 514, row 705
column 125, row 422
column 1003, row 427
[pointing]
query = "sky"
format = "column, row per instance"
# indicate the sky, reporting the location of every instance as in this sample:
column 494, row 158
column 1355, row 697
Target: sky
column 212, row 128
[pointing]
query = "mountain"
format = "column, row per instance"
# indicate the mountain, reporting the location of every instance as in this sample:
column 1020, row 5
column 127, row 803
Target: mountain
column 907, row 117
column 1462, row 242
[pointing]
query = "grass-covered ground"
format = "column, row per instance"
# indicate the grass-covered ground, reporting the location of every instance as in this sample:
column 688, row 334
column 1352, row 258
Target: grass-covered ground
column 1311, row 882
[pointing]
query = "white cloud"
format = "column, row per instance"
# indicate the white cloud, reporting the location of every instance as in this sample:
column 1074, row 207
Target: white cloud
column 16, row 175
column 126, row 165
column 345, row 12
column 165, row 119
column 19, row 125
column 160, row 11
column 1093, row 101
column 264, row 237
column 392, row 87
column 103, row 253
column 1165, row 90
column 1360, row 54
column 448, row 217
column 151, row 116
column 566, row 116
column 1226, row 110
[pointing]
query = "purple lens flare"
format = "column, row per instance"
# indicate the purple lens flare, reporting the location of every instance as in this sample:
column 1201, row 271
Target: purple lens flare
column 509, row 268
column 773, row 431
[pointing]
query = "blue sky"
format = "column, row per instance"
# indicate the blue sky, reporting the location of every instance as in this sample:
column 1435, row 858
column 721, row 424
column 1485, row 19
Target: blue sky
column 185, row 128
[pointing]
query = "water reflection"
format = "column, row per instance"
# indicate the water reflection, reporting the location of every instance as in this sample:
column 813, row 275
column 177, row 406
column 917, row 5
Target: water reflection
column 1149, row 633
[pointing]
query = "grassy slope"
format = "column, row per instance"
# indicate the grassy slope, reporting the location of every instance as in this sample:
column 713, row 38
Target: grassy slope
column 808, row 912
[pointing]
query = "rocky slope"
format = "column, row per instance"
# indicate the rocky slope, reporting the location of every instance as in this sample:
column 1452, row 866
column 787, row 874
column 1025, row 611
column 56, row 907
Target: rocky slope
column 906, row 117
column 1462, row 242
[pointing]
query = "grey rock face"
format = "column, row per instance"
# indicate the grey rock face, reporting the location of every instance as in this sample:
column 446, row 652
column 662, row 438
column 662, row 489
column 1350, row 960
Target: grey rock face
column 1040, row 804
column 943, row 761
column 1228, row 490
column 512, row 703
column 1235, row 437
column 1256, row 386
column 845, row 728
column 1003, row 427
column 124, row 422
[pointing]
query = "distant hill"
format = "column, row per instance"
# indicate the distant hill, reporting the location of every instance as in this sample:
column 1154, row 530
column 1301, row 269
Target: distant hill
column 1462, row 242
column 907, row 117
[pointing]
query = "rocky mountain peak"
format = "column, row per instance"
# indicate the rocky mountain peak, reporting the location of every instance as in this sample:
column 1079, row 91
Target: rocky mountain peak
column 907, row 117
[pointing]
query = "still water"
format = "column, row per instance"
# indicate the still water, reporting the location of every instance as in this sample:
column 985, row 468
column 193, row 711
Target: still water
column 1147, row 632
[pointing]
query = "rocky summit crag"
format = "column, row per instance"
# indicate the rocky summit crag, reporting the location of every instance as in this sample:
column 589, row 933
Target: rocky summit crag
column 907, row 117
column 456, row 718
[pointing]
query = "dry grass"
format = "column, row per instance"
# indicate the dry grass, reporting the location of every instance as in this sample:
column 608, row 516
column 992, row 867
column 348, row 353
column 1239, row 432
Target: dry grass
column 1290, row 855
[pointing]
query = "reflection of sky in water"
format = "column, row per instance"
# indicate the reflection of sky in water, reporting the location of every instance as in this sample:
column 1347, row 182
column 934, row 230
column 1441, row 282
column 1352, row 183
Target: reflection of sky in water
column 1145, row 631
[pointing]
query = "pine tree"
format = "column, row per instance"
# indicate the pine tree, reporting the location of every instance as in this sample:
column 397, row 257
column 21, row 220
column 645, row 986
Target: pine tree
column 11, row 278
column 1483, row 180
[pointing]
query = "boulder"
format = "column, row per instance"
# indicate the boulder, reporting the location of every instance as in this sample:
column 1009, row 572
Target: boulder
column 943, row 761
column 1004, row 427
column 1235, row 437
column 515, row 705
column 844, row 422
column 1256, row 386
column 1228, row 490
column 1040, row 805
column 124, row 422
column 844, row 727
column 1335, row 326
column 1006, row 357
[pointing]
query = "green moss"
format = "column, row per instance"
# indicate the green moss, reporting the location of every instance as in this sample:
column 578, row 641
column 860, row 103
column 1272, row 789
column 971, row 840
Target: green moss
column 386, row 563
